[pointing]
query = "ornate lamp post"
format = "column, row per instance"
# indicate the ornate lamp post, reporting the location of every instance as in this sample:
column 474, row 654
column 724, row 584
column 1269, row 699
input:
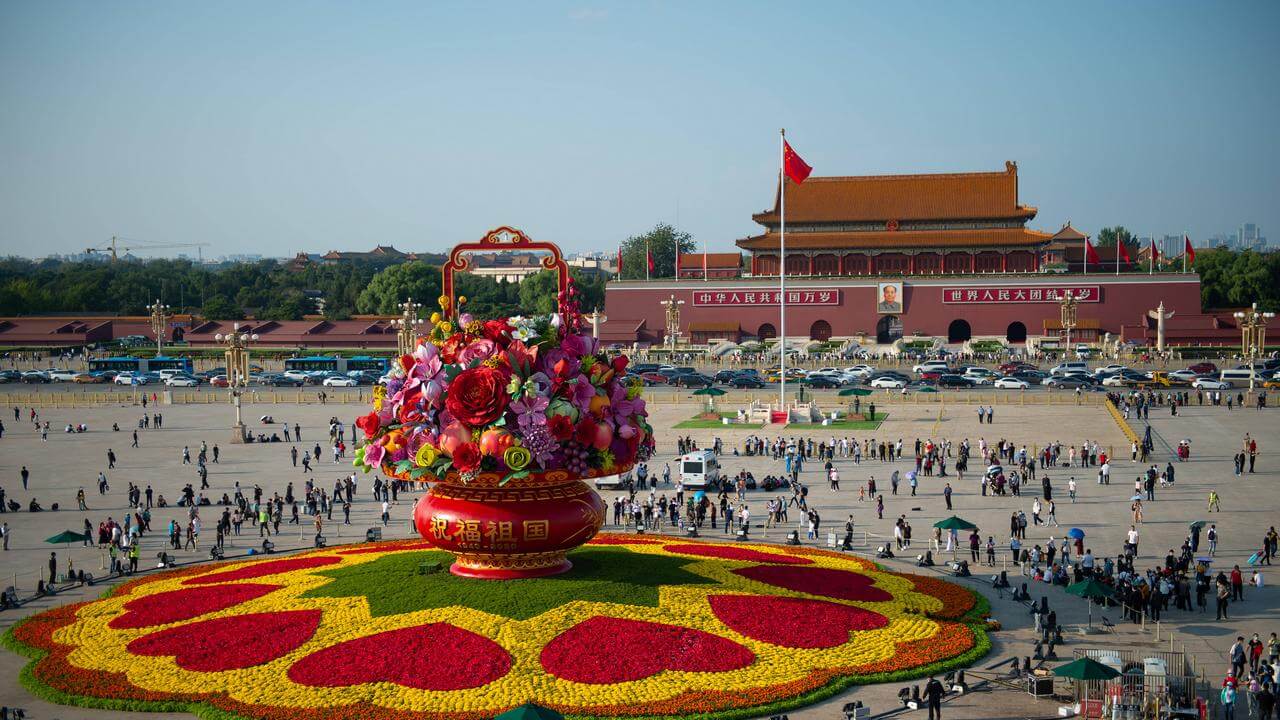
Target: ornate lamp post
column 673, row 320
column 237, row 356
column 160, row 316
column 596, row 317
column 407, row 327
column 1253, row 336
column 1069, row 306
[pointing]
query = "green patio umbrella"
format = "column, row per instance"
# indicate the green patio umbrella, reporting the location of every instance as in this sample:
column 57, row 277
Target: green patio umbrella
column 955, row 523
column 529, row 711
column 712, row 393
column 1084, row 670
column 860, row 392
column 927, row 388
column 1090, row 590
column 1198, row 524
column 66, row 536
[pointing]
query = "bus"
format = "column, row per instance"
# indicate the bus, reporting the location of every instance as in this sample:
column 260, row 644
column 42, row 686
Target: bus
column 342, row 365
column 136, row 364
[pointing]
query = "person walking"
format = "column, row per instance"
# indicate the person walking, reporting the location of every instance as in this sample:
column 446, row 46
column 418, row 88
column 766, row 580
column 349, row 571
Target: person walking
column 25, row 474
column 933, row 692
column 111, row 459
column 1214, row 502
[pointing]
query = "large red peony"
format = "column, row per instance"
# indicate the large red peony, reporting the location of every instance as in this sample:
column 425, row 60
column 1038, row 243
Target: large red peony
column 478, row 396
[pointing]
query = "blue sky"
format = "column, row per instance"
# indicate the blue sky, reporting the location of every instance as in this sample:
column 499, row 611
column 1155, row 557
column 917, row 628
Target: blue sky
column 286, row 126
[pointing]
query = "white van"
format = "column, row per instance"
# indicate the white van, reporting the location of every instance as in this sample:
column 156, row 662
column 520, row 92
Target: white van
column 700, row 469
column 614, row 482
column 1239, row 378
column 1067, row 368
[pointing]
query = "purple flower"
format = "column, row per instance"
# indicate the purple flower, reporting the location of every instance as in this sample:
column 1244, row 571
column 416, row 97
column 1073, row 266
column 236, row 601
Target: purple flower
column 579, row 345
column 582, row 393
column 530, row 410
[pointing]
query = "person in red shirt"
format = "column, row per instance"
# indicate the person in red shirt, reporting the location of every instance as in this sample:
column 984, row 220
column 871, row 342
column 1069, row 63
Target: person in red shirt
column 1237, row 584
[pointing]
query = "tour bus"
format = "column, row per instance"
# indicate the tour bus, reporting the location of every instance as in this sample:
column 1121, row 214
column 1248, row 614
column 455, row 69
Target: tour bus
column 135, row 364
column 333, row 363
column 1239, row 377
column 700, row 469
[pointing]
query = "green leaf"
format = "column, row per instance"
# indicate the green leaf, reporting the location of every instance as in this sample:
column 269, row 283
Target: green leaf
column 514, row 476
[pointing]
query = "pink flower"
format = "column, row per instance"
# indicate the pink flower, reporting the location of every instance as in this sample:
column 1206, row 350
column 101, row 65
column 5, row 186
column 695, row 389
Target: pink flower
column 477, row 350
column 373, row 455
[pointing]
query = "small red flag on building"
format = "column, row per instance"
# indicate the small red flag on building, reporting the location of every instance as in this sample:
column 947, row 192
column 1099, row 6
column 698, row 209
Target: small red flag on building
column 793, row 165
column 649, row 258
column 1186, row 248
column 1091, row 255
column 619, row 263
column 1124, row 252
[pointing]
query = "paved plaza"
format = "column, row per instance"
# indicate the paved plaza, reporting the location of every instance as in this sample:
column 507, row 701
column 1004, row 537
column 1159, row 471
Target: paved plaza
column 66, row 462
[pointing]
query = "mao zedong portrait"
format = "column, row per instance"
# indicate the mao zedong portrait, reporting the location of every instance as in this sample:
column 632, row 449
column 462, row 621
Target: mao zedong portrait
column 890, row 298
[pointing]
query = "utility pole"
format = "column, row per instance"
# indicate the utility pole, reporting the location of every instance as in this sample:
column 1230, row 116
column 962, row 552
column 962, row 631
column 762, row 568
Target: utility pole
column 237, row 357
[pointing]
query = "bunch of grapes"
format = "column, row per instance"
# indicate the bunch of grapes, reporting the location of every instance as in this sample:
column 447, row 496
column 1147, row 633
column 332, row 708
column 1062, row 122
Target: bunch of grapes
column 539, row 442
column 576, row 457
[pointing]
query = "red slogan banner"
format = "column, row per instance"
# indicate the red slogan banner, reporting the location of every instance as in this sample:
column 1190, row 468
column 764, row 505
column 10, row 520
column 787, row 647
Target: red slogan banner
column 709, row 298
column 1031, row 294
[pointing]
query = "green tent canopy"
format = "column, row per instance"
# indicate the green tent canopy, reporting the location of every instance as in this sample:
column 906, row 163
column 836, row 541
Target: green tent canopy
column 861, row 392
column 66, row 536
column 529, row 711
column 712, row 391
column 1086, row 668
column 955, row 523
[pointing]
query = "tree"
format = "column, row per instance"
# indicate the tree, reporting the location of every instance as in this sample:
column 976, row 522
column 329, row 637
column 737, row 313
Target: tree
column 538, row 292
column 398, row 283
column 220, row 308
column 665, row 242
column 1107, row 237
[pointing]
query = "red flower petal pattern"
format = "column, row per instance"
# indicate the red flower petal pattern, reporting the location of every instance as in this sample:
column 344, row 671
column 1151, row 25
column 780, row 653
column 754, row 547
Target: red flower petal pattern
column 185, row 604
column 772, row 619
column 438, row 656
column 231, row 643
column 817, row 581
column 727, row 552
column 606, row 650
column 261, row 569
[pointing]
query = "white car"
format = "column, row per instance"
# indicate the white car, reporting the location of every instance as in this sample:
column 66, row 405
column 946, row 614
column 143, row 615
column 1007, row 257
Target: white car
column 932, row 365
column 1209, row 384
column 1114, row 381
column 296, row 374
column 57, row 375
column 1183, row 375
column 859, row 370
column 339, row 382
column 126, row 378
column 1109, row 369
column 181, row 381
column 888, row 382
column 1011, row 383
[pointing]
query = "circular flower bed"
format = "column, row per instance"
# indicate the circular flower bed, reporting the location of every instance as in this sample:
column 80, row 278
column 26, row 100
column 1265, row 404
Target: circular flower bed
column 641, row 626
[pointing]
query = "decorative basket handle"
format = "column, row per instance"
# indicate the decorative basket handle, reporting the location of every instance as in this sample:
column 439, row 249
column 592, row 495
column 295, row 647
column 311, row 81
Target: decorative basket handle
column 503, row 239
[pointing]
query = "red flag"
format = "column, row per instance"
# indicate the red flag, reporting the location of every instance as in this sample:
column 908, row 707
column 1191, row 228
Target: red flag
column 1186, row 248
column 1091, row 255
column 649, row 258
column 1124, row 252
column 1155, row 253
column 795, row 167
column 619, row 263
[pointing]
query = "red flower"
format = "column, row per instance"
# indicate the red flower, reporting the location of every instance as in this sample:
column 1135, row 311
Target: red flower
column 467, row 457
column 619, row 364
column 496, row 330
column 561, row 426
column 478, row 396
column 406, row 362
column 410, row 415
column 449, row 350
column 369, row 424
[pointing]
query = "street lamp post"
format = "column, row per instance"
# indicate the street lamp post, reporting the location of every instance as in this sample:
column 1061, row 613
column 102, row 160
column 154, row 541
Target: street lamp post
column 160, row 316
column 673, row 320
column 596, row 317
column 237, row 357
column 407, row 327
column 1253, row 337
column 1069, row 306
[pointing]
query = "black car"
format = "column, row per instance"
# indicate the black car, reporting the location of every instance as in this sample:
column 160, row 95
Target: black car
column 955, row 381
column 10, row 376
column 821, row 382
column 33, row 377
column 725, row 376
column 746, row 381
column 690, row 380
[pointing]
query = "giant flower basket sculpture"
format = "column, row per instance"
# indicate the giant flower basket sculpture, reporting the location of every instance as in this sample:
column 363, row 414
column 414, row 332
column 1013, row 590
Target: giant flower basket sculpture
column 505, row 418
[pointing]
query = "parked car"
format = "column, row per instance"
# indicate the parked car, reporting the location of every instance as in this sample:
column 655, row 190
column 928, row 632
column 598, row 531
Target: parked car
column 1011, row 383
column 888, row 381
column 339, row 381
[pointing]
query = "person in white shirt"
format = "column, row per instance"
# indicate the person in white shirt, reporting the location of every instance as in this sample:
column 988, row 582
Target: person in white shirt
column 386, row 512
column 1071, row 489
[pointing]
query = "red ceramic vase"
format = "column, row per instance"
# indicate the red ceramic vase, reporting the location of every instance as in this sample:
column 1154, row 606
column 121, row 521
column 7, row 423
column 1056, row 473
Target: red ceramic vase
column 522, row 529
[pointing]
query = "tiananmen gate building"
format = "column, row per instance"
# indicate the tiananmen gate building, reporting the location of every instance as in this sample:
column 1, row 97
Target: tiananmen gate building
column 883, row 257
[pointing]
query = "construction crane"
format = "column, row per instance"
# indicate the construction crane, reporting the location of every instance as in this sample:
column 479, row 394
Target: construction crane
column 114, row 247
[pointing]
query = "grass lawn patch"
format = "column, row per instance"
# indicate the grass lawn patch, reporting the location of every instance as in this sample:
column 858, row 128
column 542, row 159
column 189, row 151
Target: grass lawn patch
column 703, row 422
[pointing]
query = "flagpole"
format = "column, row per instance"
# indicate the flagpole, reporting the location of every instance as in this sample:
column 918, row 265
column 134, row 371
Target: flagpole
column 1186, row 241
column 1085, row 255
column 1117, row 254
column 1151, row 256
column 648, row 260
column 782, row 269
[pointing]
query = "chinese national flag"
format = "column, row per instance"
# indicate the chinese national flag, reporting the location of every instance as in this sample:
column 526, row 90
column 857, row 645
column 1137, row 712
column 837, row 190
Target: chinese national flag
column 792, row 164
column 1186, row 248
column 1155, row 252
column 1091, row 255
column 649, row 258
column 619, row 263
column 1124, row 252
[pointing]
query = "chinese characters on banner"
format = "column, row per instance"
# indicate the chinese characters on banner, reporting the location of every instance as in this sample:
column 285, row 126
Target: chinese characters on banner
column 489, row 535
column 745, row 298
column 1015, row 294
